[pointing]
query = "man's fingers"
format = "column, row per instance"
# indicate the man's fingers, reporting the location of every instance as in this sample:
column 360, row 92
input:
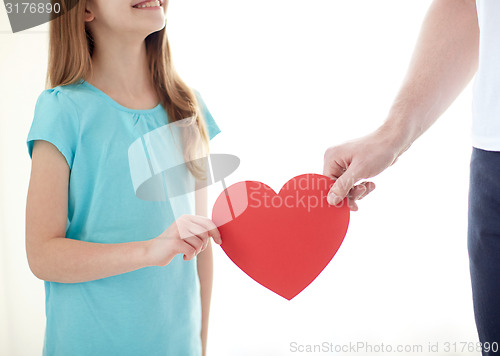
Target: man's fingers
column 352, row 205
column 342, row 186
column 357, row 192
column 354, row 195
column 370, row 186
column 333, row 169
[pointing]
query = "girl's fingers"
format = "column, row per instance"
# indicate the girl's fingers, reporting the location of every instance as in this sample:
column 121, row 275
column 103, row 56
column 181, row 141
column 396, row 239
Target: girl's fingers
column 188, row 251
column 208, row 225
column 216, row 236
column 195, row 242
column 202, row 234
column 211, row 228
column 188, row 227
column 197, row 230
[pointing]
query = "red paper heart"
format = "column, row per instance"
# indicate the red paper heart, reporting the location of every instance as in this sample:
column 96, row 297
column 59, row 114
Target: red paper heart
column 282, row 241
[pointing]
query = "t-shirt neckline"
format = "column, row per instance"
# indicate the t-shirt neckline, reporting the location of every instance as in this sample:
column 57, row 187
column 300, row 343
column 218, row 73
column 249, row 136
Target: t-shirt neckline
column 116, row 104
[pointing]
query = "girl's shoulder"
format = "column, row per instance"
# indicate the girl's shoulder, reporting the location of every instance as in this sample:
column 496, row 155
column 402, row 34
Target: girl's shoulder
column 65, row 97
column 64, row 100
column 57, row 120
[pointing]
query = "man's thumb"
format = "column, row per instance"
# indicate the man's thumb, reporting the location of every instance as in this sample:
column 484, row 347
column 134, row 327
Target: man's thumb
column 342, row 186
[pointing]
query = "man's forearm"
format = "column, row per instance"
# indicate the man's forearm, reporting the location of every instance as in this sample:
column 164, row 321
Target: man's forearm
column 444, row 61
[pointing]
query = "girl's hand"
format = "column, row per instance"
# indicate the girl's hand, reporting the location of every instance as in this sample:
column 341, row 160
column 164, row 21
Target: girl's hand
column 189, row 235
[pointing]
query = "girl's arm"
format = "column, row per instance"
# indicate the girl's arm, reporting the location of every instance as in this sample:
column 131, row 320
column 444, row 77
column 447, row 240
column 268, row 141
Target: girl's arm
column 205, row 271
column 52, row 257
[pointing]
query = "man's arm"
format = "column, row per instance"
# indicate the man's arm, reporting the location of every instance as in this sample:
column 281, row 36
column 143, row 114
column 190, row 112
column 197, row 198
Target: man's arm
column 444, row 61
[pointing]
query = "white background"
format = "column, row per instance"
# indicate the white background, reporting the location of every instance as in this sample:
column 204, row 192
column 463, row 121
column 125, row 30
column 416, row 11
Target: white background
column 284, row 80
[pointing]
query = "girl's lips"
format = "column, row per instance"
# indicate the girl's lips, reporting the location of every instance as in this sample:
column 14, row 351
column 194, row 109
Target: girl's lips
column 139, row 5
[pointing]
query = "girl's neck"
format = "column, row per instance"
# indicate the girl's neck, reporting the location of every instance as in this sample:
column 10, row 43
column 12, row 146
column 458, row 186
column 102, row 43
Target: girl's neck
column 121, row 70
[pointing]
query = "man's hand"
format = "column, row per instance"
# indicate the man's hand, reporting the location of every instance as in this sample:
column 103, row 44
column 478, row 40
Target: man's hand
column 352, row 161
column 444, row 61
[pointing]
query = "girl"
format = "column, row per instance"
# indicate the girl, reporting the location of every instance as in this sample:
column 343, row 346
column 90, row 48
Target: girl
column 122, row 275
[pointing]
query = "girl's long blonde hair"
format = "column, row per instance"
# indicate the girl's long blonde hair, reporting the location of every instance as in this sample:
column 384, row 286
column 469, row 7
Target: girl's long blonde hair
column 70, row 59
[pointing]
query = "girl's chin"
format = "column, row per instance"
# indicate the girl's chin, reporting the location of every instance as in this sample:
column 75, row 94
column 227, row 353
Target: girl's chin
column 153, row 26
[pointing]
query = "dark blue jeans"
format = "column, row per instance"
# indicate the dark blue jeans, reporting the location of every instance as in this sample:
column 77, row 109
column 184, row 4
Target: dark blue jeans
column 484, row 246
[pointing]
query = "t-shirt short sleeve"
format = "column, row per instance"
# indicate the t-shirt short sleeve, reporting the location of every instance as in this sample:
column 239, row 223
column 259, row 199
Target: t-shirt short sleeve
column 212, row 127
column 55, row 121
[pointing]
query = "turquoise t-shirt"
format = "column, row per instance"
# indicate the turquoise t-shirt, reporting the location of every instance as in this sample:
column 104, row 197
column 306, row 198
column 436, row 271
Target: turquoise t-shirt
column 112, row 152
